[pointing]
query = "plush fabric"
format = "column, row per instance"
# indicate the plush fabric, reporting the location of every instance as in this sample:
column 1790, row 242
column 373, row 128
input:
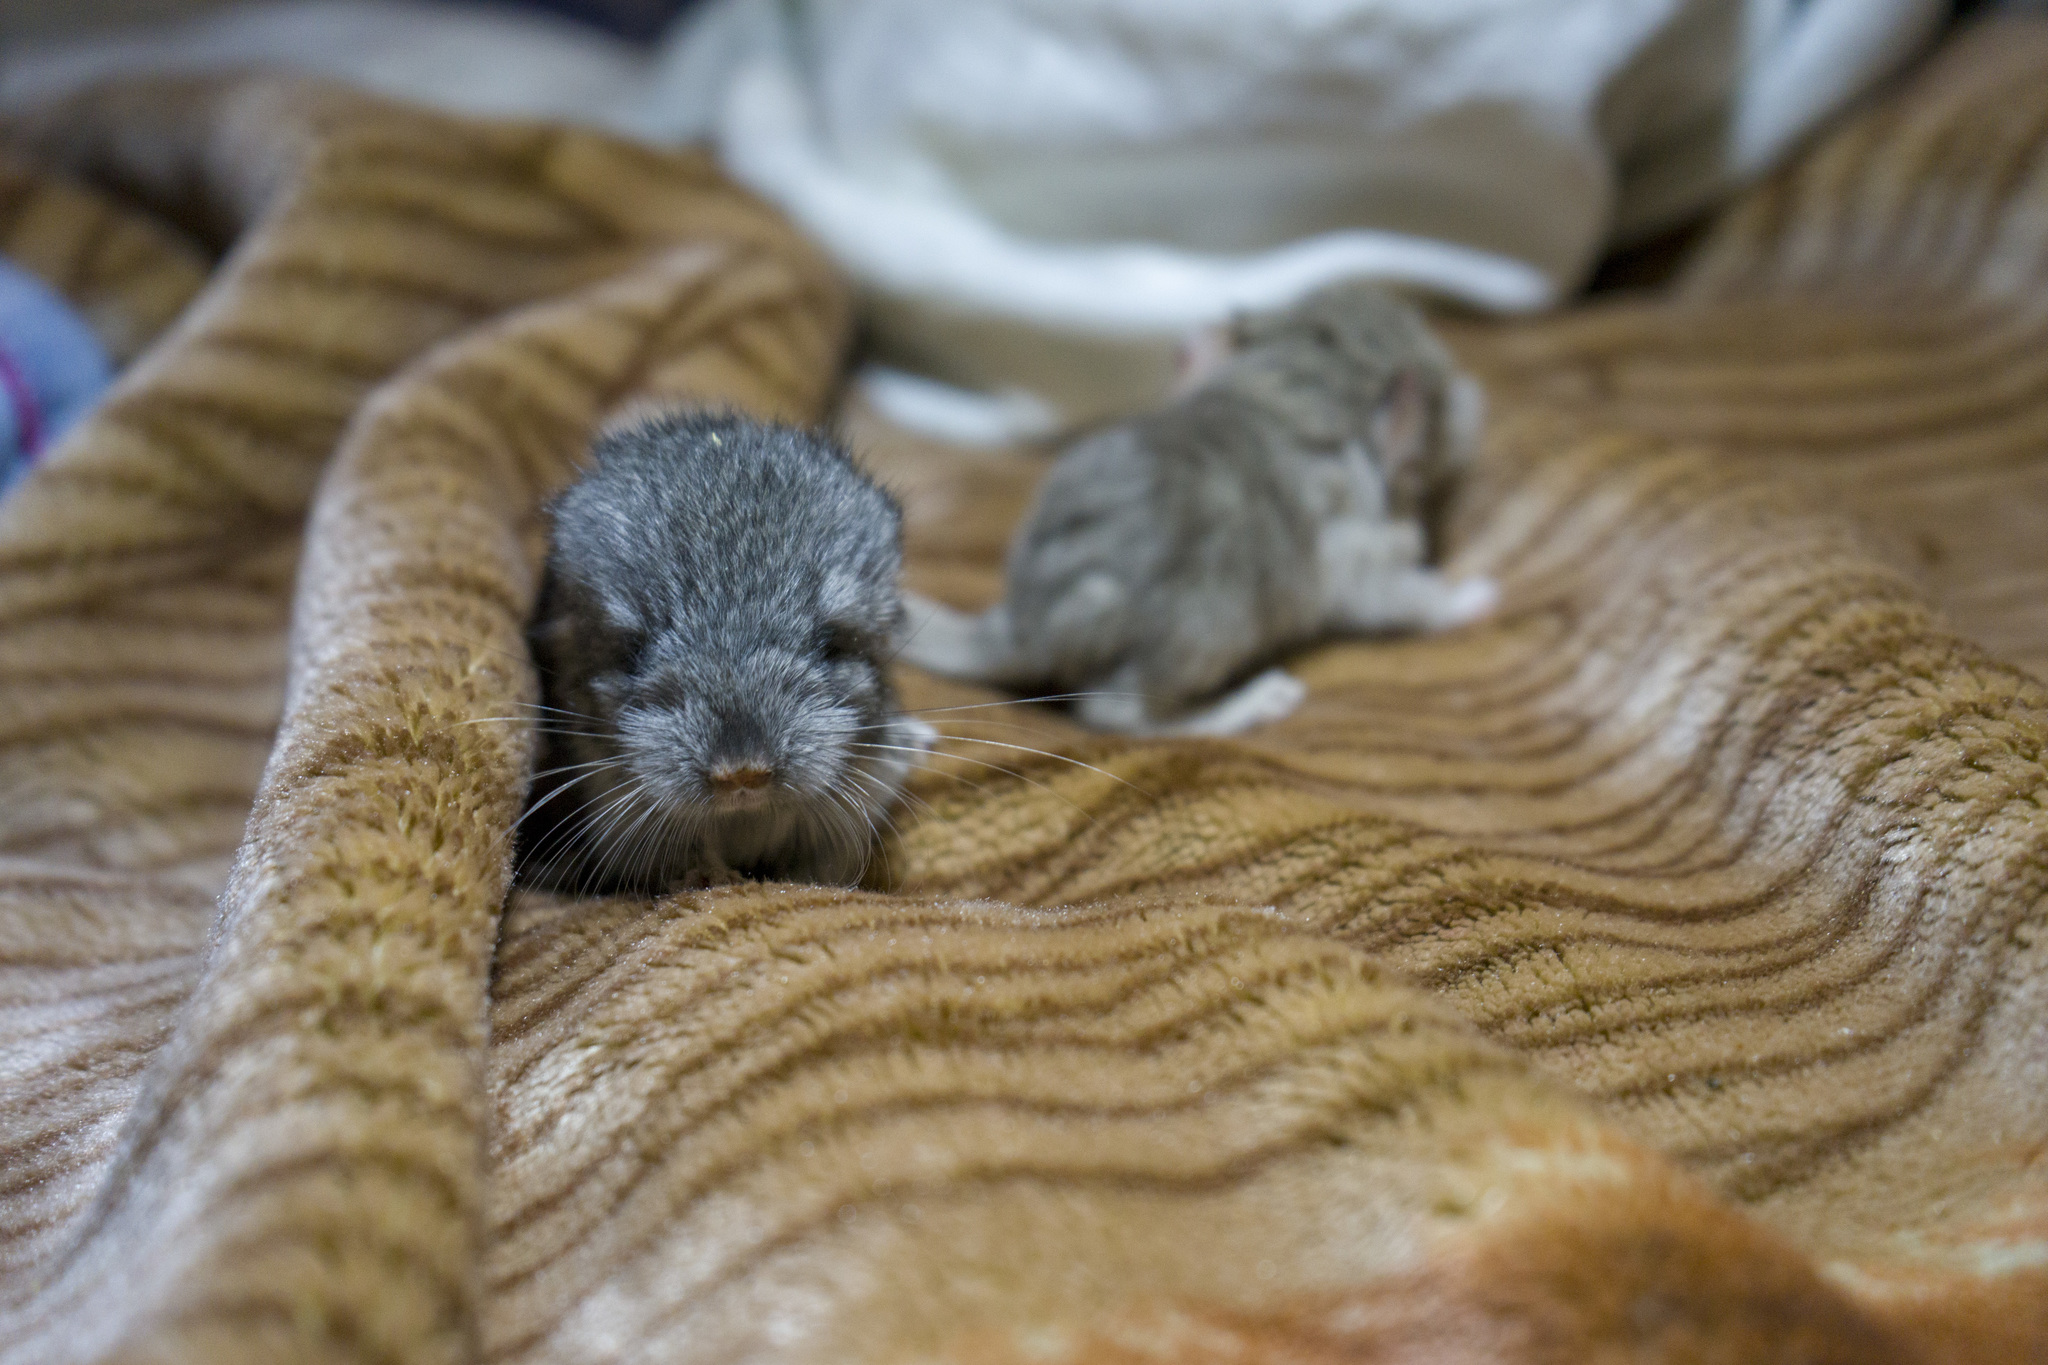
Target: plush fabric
column 1654, row 973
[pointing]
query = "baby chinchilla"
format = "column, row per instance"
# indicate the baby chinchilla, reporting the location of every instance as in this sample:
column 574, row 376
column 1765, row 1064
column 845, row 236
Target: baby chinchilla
column 719, row 603
column 1281, row 500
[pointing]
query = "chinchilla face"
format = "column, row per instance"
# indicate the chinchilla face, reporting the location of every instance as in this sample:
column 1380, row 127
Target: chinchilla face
column 719, row 610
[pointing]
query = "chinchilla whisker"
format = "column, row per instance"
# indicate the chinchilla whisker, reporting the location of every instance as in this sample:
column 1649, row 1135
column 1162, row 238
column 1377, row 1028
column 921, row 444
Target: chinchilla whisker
column 574, row 767
column 566, row 786
column 957, row 777
column 521, row 657
column 673, row 833
column 904, row 644
column 1019, row 701
column 562, row 711
column 1047, row 753
column 1041, row 753
column 538, row 728
column 872, row 789
column 891, row 748
column 627, row 843
column 994, row 767
column 857, row 793
column 632, row 814
column 853, row 808
column 994, row 724
column 617, row 810
column 881, row 794
column 561, row 837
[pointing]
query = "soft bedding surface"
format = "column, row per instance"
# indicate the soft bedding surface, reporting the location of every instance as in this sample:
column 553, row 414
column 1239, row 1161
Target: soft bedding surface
column 1653, row 973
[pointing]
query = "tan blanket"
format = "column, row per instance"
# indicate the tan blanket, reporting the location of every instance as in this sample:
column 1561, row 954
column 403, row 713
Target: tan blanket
column 1656, row 973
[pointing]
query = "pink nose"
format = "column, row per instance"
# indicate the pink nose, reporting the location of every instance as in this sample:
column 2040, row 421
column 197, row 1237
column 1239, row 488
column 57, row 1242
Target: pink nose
column 731, row 781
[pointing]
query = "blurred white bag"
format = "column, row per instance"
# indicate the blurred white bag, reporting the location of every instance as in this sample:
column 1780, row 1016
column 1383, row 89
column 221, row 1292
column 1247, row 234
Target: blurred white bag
column 1041, row 195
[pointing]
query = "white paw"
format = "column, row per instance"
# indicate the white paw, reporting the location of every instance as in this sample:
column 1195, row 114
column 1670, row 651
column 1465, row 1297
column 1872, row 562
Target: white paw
column 1275, row 693
column 1271, row 696
column 1467, row 601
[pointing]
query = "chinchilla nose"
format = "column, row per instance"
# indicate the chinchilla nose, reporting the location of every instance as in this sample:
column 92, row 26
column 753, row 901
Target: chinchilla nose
column 731, row 778
column 740, row 786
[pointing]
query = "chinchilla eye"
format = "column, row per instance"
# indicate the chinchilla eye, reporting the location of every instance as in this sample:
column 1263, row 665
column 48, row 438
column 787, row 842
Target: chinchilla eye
column 628, row 647
column 842, row 642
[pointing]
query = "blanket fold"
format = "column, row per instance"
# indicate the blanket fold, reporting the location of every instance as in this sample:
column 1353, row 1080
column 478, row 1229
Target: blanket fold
column 1655, row 972
column 153, row 559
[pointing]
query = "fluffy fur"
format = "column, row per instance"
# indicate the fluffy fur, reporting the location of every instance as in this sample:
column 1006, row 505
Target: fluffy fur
column 1282, row 500
column 719, row 605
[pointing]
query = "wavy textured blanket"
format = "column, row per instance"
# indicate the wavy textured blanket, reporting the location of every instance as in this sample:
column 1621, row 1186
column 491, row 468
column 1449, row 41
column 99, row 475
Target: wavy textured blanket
column 1655, row 973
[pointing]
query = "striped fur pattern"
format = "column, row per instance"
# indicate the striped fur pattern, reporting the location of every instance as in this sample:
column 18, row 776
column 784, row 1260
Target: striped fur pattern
column 1653, row 973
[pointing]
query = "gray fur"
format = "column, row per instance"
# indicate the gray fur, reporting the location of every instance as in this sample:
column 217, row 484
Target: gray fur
column 1282, row 500
column 720, row 597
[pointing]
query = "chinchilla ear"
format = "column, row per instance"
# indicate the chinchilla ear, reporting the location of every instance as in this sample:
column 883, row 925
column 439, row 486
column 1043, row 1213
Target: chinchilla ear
column 1201, row 354
column 1400, row 424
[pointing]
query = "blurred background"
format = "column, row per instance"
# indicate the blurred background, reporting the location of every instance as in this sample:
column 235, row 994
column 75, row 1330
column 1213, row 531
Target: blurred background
column 1040, row 199
column 637, row 20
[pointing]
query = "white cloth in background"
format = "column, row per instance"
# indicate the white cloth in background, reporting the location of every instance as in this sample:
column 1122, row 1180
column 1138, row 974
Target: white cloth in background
column 1044, row 194
column 1039, row 197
